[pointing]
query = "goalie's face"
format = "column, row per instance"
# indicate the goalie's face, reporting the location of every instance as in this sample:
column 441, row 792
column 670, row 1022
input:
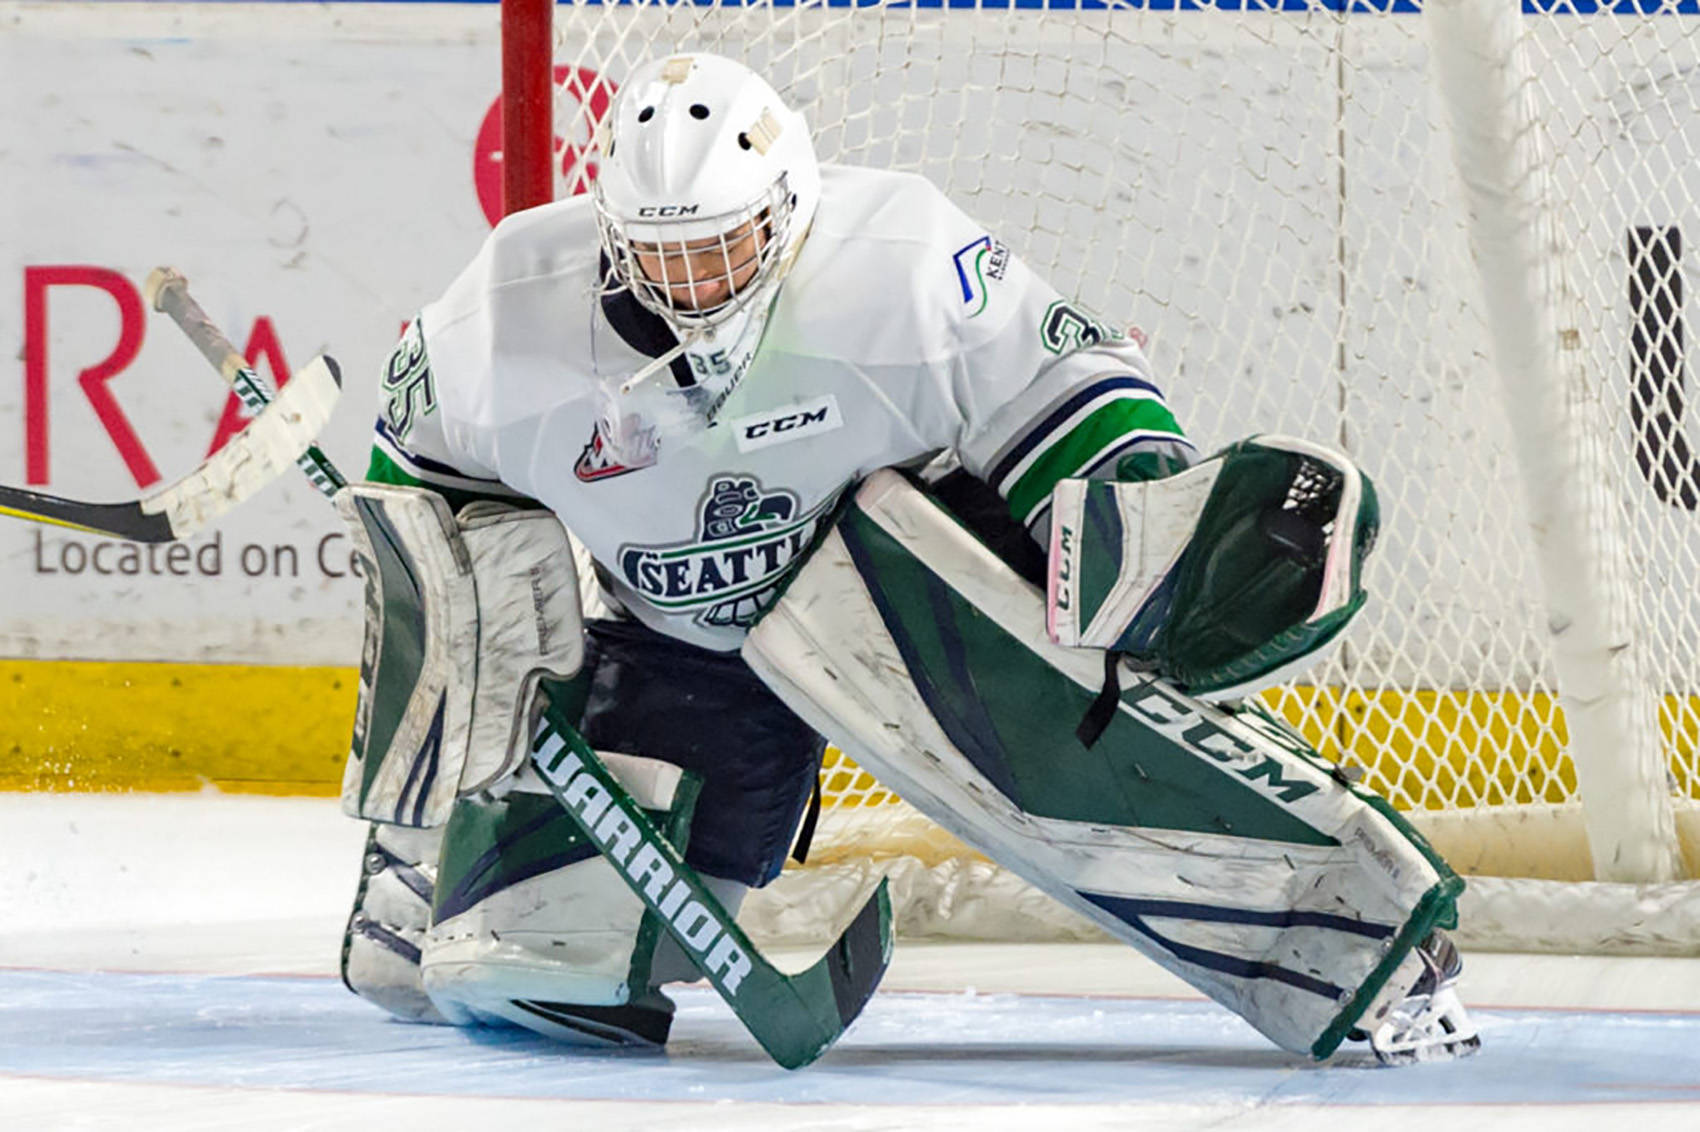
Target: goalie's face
column 704, row 274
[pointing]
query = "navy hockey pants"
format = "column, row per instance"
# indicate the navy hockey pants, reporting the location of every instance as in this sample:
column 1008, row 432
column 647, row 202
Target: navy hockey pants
column 653, row 696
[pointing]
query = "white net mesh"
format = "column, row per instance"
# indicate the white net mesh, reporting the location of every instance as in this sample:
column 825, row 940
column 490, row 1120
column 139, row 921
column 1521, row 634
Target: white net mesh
column 1268, row 193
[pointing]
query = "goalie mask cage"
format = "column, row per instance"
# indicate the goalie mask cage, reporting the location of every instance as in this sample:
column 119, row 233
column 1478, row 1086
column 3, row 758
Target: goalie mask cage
column 1444, row 236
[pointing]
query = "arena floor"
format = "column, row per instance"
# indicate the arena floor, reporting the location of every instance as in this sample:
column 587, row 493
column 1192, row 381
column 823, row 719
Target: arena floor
column 168, row 962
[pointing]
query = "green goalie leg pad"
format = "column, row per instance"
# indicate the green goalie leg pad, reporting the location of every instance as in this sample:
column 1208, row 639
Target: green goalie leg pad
column 531, row 927
column 1209, row 837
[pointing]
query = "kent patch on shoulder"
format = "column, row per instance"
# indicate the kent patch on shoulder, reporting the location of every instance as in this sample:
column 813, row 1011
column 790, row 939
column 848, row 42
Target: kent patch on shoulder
column 788, row 423
column 976, row 263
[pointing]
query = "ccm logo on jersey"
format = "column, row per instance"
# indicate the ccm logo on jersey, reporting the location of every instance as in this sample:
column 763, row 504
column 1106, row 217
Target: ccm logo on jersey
column 793, row 422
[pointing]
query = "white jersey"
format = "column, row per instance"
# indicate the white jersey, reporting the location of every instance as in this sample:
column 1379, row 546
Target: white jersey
column 903, row 330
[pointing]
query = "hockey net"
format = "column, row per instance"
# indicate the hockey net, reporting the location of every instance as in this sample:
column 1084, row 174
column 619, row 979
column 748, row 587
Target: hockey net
column 1282, row 198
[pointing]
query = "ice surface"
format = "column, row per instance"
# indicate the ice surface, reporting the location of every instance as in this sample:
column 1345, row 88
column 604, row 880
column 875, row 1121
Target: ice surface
column 168, row 962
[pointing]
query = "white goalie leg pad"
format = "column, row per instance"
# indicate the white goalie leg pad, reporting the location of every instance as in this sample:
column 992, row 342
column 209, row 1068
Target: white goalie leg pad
column 462, row 615
column 1216, row 843
column 386, row 928
column 572, row 935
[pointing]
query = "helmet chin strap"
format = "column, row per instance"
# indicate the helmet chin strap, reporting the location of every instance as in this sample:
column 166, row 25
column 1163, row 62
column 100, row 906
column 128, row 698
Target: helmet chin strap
column 637, row 415
column 744, row 331
column 656, row 366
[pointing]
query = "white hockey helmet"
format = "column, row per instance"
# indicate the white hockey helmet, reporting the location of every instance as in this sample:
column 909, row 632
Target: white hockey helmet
column 706, row 188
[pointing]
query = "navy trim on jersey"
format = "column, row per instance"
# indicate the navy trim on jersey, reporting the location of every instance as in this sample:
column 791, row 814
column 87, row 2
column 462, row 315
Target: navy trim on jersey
column 423, row 463
column 1133, row 440
column 437, row 467
column 1150, row 441
column 1059, row 416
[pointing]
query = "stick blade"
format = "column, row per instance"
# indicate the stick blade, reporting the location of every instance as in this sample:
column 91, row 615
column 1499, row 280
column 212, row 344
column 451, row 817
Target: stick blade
column 264, row 450
column 831, row 993
column 114, row 520
column 857, row 961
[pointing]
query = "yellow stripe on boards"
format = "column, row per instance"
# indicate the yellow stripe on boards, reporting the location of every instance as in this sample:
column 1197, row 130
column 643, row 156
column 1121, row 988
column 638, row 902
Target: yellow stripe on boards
column 1437, row 749
column 1430, row 749
column 100, row 725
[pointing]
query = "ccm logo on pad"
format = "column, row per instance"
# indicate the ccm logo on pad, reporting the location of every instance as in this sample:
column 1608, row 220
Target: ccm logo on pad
column 793, row 422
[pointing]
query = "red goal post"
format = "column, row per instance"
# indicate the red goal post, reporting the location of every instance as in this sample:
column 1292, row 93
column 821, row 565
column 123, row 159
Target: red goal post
column 528, row 101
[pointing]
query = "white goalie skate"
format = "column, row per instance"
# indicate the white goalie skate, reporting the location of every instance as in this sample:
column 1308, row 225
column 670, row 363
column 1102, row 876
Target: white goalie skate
column 1431, row 1024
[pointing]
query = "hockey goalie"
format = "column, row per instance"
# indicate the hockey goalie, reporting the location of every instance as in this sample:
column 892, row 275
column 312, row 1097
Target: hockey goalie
column 847, row 471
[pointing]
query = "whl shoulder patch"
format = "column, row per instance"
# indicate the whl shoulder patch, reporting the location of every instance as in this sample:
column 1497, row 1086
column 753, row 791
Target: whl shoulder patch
column 788, row 423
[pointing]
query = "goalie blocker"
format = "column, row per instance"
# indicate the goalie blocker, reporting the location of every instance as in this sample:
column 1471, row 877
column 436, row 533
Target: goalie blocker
column 1214, row 841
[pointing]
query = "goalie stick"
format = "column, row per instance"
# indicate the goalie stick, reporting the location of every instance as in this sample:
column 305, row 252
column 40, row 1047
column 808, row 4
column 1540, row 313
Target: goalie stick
column 252, row 459
column 167, row 290
column 795, row 1018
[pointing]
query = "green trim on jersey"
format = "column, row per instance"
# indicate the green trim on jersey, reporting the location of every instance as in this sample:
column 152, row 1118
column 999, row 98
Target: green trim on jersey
column 384, row 469
column 1071, row 453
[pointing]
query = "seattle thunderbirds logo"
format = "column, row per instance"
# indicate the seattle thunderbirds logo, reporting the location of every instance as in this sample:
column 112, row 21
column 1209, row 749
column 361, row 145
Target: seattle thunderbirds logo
column 748, row 540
